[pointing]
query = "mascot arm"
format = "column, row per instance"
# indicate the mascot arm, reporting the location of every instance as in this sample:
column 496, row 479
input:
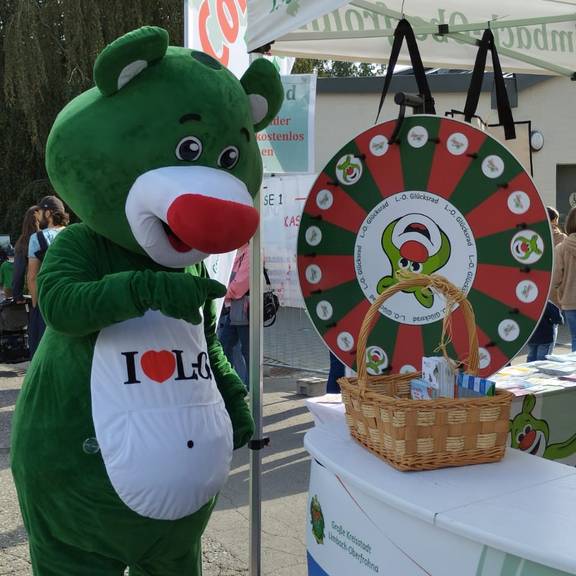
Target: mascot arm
column 77, row 300
column 229, row 383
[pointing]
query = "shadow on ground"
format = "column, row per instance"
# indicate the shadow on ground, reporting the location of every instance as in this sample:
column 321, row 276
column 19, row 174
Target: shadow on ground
column 14, row 537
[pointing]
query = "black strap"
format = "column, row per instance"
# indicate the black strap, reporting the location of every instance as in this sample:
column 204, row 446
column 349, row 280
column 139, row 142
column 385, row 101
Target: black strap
column 503, row 103
column 404, row 30
column 43, row 245
column 266, row 278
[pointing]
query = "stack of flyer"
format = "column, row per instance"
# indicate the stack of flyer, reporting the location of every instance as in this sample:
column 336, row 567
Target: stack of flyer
column 556, row 373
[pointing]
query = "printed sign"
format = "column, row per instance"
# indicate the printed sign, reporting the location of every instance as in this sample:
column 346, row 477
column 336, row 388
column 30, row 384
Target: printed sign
column 446, row 199
column 217, row 27
column 351, row 532
column 287, row 144
column 283, row 199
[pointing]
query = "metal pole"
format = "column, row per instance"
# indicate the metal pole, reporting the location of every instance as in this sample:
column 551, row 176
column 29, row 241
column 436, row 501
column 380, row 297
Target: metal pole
column 186, row 42
column 256, row 395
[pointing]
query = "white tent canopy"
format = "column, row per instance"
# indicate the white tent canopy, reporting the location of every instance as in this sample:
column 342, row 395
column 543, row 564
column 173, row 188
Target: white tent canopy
column 533, row 36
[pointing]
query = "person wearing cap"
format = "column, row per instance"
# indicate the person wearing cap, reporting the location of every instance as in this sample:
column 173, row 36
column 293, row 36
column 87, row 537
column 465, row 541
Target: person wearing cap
column 53, row 219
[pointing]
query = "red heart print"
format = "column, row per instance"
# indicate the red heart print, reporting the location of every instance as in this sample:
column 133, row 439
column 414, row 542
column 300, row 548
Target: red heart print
column 158, row 366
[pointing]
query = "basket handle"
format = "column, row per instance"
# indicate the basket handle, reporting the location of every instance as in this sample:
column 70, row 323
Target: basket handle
column 454, row 296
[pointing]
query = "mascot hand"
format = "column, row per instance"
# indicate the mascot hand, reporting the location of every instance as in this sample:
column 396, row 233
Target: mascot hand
column 179, row 295
column 243, row 425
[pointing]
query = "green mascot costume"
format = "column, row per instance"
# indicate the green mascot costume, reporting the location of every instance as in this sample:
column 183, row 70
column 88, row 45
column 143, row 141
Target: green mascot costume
column 125, row 426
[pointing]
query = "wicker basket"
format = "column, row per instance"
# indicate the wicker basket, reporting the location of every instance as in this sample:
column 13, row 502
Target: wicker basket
column 424, row 434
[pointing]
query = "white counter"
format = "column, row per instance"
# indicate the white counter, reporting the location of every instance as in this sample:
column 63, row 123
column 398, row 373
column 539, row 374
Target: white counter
column 522, row 507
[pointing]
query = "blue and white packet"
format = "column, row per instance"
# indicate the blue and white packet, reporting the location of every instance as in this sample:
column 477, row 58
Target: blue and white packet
column 423, row 390
column 473, row 386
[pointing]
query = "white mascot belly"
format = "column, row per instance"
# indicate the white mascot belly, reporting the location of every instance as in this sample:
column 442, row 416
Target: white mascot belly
column 160, row 421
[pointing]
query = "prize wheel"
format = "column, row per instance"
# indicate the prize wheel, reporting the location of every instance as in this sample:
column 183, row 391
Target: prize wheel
column 444, row 198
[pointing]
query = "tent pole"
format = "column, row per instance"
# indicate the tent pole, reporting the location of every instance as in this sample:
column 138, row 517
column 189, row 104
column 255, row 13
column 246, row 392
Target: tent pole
column 256, row 395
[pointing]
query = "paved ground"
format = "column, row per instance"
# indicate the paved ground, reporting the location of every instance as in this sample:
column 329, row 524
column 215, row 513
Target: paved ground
column 284, row 483
column 285, row 479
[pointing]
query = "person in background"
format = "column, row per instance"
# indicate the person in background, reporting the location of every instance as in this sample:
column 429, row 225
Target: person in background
column 30, row 225
column 7, row 272
column 564, row 275
column 554, row 217
column 53, row 219
column 234, row 321
column 336, row 371
column 543, row 339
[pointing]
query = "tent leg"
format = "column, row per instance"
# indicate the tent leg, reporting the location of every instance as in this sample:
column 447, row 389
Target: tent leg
column 256, row 394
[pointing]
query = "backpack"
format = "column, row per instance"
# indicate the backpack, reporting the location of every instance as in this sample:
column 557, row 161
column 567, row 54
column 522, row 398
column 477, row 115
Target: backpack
column 270, row 304
column 43, row 245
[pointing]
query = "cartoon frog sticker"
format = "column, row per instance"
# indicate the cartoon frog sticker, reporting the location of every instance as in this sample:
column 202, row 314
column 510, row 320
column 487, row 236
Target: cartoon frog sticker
column 527, row 247
column 415, row 243
column 376, row 360
column 349, row 169
column 532, row 435
column 317, row 520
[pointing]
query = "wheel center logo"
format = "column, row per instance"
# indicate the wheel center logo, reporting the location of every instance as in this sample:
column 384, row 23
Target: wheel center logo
column 396, row 235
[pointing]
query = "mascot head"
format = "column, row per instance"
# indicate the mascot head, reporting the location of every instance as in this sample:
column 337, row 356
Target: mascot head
column 161, row 156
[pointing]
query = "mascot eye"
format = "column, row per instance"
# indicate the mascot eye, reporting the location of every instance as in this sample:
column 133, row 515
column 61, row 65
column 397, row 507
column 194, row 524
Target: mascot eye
column 403, row 263
column 416, row 266
column 519, row 438
column 229, row 157
column 189, row 149
column 527, row 430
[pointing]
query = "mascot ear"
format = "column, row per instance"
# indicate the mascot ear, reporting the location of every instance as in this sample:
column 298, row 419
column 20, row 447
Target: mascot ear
column 127, row 56
column 264, row 88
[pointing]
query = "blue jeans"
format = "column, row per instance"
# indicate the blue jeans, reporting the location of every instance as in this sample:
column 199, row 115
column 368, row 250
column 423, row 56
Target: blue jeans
column 539, row 351
column 36, row 328
column 336, row 371
column 231, row 335
column 570, row 316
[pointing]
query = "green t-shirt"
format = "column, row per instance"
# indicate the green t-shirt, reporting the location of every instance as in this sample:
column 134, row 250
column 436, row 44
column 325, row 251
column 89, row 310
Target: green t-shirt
column 6, row 273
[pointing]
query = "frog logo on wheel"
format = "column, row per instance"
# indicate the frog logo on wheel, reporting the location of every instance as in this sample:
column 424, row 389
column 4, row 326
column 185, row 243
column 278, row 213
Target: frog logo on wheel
column 349, row 169
column 527, row 246
column 417, row 244
column 376, row 360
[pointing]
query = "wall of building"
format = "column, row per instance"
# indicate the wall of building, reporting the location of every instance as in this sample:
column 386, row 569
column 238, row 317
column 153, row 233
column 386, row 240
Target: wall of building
column 550, row 105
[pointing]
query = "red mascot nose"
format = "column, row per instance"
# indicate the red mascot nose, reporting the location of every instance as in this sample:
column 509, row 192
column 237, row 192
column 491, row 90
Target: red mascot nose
column 414, row 251
column 208, row 224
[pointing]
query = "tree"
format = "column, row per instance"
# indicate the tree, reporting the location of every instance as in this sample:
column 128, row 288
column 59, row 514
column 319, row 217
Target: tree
column 47, row 50
column 325, row 68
